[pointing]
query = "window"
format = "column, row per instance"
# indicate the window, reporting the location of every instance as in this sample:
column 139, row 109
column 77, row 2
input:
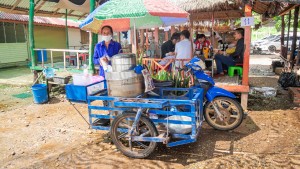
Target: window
column 12, row 33
column 2, row 36
column 84, row 37
column 20, row 33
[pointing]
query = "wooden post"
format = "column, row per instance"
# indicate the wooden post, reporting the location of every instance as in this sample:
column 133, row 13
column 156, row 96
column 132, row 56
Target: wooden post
column 282, row 34
column 119, row 37
column 147, row 40
column 191, row 38
column 172, row 30
column 133, row 45
column 293, row 47
column 93, row 38
column 30, row 32
column 156, row 36
column 288, row 33
column 142, row 32
column 247, row 42
column 166, row 35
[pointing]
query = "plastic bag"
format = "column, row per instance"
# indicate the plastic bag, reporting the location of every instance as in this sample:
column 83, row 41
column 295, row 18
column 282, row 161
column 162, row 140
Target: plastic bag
column 149, row 85
column 288, row 79
column 179, row 128
column 266, row 91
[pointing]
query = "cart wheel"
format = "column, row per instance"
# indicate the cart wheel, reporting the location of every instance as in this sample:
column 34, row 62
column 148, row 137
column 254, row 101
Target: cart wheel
column 119, row 135
column 231, row 111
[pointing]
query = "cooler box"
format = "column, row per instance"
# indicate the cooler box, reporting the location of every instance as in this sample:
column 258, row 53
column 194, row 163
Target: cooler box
column 80, row 93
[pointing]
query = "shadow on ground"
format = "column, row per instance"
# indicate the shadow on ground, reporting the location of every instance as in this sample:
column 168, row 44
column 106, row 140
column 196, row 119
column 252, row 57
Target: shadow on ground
column 8, row 73
column 211, row 143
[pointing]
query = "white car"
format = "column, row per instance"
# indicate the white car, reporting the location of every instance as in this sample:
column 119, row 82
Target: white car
column 274, row 45
column 254, row 43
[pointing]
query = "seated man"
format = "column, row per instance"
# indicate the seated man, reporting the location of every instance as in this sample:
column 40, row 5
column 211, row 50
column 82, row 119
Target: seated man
column 235, row 57
column 183, row 49
column 168, row 48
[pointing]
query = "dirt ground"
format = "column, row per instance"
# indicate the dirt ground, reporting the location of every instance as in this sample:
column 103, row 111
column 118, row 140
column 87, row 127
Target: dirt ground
column 54, row 135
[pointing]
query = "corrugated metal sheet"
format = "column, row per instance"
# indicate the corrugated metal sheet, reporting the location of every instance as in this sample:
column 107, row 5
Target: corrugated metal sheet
column 38, row 19
column 24, row 4
column 8, row 2
column 49, row 6
column 13, row 52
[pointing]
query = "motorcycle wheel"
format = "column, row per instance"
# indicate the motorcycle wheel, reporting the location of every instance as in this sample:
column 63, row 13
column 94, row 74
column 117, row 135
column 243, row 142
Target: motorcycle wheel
column 231, row 111
column 120, row 136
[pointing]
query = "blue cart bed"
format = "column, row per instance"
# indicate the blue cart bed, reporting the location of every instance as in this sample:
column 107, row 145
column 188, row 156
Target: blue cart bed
column 191, row 104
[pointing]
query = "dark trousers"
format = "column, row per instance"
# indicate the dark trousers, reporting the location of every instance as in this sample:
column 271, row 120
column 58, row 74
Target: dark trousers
column 223, row 60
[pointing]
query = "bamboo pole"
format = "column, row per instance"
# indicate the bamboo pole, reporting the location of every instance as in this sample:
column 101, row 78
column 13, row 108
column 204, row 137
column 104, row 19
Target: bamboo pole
column 30, row 32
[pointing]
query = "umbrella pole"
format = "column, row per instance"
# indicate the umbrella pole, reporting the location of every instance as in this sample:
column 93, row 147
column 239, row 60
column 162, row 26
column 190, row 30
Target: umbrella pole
column 134, row 38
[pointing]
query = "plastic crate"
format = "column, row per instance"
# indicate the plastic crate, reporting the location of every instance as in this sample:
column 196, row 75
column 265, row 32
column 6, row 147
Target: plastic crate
column 61, row 80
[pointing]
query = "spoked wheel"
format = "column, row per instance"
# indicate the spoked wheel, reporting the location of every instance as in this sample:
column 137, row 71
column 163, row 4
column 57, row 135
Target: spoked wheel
column 120, row 129
column 231, row 114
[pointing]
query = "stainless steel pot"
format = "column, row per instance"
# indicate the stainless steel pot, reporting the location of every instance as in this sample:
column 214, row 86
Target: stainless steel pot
column 123, row 61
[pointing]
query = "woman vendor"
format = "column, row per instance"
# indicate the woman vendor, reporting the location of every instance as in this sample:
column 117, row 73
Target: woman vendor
column 105, row 49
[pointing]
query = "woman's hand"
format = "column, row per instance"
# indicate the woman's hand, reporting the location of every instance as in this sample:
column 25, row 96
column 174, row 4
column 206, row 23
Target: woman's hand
column 103, row 59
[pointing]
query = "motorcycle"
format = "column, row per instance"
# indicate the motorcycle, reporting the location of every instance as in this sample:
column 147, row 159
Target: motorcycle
column 221, row 109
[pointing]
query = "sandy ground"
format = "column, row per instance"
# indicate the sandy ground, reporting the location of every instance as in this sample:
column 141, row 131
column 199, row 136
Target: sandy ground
column 54, row 135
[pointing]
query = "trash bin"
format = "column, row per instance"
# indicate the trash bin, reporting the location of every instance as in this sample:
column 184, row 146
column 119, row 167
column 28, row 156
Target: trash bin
column 40, row 93
column 39, row 54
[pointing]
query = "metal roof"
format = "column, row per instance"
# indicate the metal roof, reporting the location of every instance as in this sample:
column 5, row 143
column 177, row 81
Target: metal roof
column 38, row 20
column 42, row 8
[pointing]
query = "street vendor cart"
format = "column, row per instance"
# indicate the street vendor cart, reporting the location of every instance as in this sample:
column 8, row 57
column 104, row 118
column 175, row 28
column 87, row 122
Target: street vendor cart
column 138, row 124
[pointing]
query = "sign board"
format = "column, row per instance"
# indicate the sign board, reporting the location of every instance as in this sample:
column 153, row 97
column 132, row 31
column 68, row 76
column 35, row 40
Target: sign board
column 247, row 21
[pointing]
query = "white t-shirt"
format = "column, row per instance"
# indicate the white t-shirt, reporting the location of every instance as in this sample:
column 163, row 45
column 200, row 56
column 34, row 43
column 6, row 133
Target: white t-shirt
column 183, row 51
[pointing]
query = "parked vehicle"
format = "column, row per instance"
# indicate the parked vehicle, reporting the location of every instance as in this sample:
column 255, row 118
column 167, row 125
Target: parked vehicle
column 138, row 124
column 254, row 43
column 274, row 45
column 221, row 109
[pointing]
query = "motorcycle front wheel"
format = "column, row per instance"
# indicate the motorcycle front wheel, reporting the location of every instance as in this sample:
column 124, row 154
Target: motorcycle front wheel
column 232, row 114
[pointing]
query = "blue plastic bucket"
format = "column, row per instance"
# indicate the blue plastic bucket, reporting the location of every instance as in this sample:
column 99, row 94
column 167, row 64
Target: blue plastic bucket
column 40, row 94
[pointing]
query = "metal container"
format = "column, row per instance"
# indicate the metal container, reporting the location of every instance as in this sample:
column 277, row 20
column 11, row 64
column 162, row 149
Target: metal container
column 124, row 84
column 120, row 75
column 123, row 61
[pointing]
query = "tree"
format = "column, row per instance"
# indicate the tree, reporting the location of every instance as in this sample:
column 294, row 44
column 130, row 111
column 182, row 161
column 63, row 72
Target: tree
column 286, row 20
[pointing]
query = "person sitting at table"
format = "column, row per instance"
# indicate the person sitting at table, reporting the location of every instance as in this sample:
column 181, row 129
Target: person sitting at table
column 236, row 57
column 105, row 49
column 168, row 48
column 201, row 42
column 183, row 48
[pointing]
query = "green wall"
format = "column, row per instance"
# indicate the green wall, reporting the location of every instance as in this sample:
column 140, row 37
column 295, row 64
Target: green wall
column 50, row 38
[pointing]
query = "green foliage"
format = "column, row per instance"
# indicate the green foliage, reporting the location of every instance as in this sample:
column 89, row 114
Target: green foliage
column 278, row 21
